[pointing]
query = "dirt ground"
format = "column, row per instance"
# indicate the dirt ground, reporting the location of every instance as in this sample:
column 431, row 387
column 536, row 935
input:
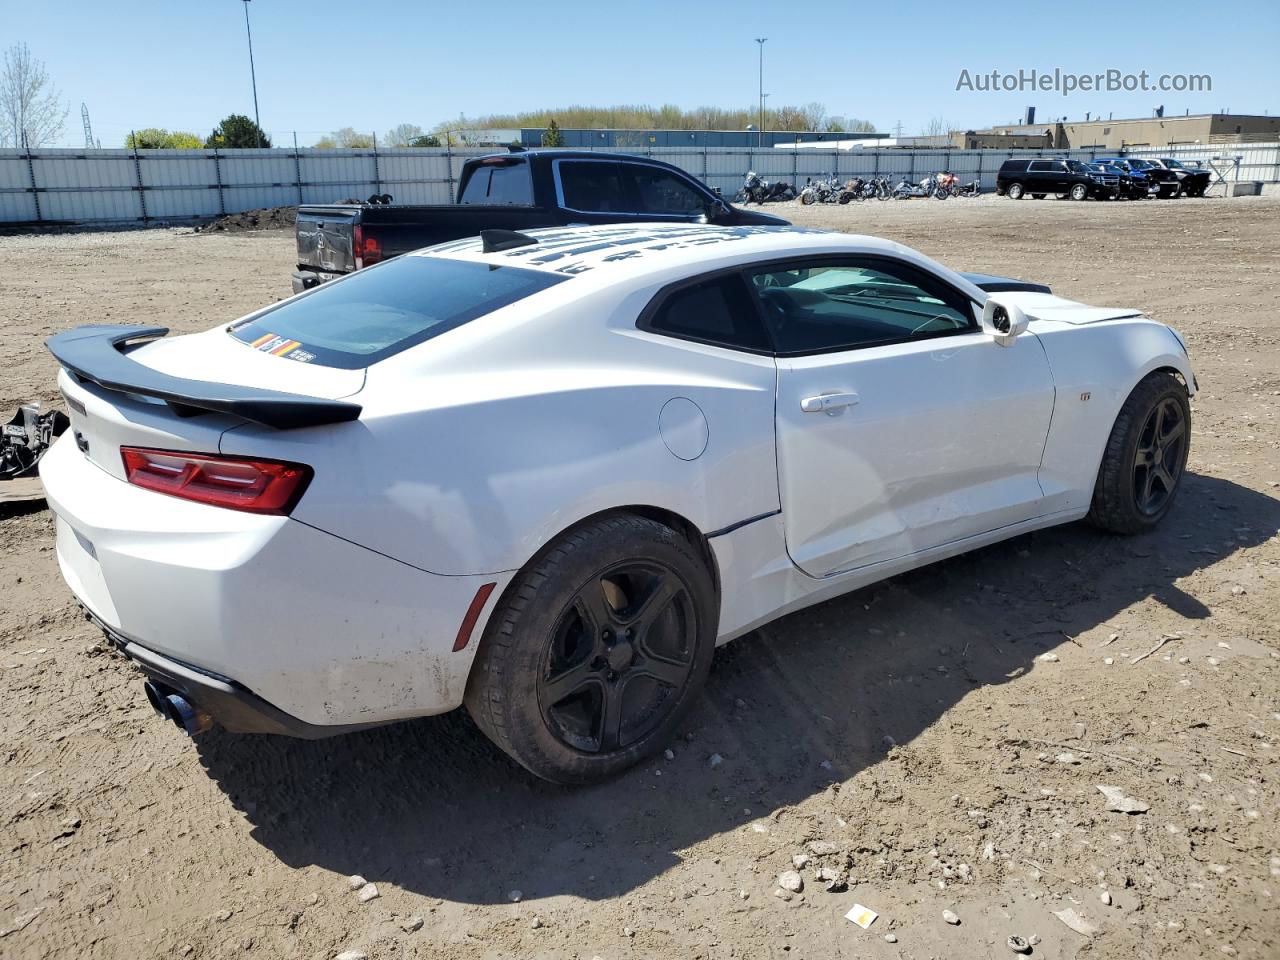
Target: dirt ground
column 916, row 737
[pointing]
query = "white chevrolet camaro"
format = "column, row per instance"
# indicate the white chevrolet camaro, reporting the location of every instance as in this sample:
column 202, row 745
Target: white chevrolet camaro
column 544, row 475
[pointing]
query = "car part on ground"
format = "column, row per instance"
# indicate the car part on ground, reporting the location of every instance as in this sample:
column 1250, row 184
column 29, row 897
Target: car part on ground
column 26, row 437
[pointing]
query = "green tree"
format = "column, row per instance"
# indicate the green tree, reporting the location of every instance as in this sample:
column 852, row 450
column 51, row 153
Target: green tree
column 426, row 140
column 237, row 130
column 157, row 138
column 552, row 137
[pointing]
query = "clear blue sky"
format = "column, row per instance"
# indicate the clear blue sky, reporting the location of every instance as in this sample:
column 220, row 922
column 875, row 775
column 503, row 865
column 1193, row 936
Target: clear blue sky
column 323, row 64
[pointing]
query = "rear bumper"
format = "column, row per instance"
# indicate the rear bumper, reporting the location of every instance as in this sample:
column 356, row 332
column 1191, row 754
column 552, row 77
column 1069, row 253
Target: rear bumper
column 285, row 621
column 306, row 279
column 235, row 707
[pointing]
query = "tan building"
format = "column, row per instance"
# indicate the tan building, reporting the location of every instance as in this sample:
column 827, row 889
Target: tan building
column 1118, row 134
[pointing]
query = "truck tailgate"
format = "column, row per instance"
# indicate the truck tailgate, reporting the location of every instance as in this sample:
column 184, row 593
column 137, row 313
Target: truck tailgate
column 326, row 238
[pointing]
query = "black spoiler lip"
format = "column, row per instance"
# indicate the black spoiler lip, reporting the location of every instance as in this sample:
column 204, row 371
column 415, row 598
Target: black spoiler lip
column 992, row 284
column 93, row 352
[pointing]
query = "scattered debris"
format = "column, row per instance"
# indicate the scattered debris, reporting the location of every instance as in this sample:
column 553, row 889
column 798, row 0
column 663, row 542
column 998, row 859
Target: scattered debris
column 355, row 881
column 352, row 955
column 369, row 892
column 1076, row 922
column 628, row 932
column 989, row 851
column 1048, row 657
column 1111, row 639
column 1167, row 638
column 890, row 938
column 791, row 880
column 1119, row 803
column 864, row 917
column 515, row 896
column 222, row 916
column 822, row 848
column 669, row 754
column 413, row 924
column 951, row 918
column 833, row 878
column 1105, row 897
column 1068, row 758
column 1019, row 944
column 800, row 860
column 21, row 922
column 715, row 760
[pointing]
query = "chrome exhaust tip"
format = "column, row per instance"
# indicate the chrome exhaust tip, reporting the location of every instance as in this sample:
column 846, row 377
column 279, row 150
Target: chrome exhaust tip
column 184, row 715
column 187, row 716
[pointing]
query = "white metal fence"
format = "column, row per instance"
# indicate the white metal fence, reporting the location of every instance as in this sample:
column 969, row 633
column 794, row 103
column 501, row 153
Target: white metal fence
column 43, row 186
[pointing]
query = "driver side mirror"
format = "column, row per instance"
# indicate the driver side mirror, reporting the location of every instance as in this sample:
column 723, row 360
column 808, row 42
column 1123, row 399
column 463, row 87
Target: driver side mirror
column 1003, row 320
column 716, row 211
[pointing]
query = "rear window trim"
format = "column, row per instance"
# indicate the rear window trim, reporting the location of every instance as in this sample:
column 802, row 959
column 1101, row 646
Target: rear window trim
column 352, row 361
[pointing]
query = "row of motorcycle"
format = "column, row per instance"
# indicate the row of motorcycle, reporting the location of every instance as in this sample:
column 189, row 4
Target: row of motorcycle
column 940, row 186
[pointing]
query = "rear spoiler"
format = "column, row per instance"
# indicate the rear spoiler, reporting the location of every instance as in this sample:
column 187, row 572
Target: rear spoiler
column 1004, row 284
column 96, row 353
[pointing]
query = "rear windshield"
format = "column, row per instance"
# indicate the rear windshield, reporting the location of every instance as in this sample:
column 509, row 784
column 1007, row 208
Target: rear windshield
column 505, row 182
column 374, row 313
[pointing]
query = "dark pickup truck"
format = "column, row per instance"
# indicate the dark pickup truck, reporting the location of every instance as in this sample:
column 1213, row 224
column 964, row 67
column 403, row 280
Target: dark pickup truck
column 510, row 191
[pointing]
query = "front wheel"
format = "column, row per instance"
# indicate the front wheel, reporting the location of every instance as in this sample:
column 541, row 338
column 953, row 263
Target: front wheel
column 1079, row 192
column 597, row 650
column 1145, row 457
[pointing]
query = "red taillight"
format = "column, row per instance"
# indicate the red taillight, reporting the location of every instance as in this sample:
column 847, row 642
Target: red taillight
column 258, row 486
column 367, row 249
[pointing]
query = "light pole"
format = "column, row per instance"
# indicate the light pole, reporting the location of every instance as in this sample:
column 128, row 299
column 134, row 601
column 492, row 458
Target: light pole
column 253, row 77
column 760, row 130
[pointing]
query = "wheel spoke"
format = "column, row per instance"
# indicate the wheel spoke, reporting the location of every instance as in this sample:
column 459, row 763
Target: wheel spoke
column 1147, row 486
column 1175, row 433
column 1161, row 473
column 664, row 671
column 593, row 607
column 611, row 717
column 653, row 606
column 568, row 682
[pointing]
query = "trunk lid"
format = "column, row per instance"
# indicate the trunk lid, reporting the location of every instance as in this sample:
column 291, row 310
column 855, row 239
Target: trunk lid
column 104, row 419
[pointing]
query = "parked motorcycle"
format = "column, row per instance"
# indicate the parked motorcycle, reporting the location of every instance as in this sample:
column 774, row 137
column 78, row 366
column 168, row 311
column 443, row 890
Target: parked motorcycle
column 758, row 190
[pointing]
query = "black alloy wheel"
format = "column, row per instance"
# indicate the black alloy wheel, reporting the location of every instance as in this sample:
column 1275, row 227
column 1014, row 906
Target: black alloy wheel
column 621, row 651
column 1159, row 459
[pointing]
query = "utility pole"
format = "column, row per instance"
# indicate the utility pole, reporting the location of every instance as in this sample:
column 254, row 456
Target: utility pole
column 760, row 129
column 253, row 77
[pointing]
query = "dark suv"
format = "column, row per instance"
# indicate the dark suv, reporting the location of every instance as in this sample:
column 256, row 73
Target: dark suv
column 1041, row 177
column 1192, row 181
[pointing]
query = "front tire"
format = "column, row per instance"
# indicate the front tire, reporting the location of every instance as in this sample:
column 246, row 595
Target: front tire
column 1079, row 192
column 1145, row 457
column 597, row 650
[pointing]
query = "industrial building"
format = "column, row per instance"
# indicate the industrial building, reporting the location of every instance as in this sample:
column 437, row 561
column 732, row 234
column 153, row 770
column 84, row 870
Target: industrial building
column 1158, row 131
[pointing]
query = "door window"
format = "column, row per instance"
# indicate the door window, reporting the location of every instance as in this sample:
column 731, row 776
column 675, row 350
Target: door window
column 662, row 191
column 505, row 183
column 856, row 303
column 593, row 186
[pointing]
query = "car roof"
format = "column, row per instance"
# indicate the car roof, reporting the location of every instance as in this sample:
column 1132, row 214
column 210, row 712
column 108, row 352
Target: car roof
column 633, row 250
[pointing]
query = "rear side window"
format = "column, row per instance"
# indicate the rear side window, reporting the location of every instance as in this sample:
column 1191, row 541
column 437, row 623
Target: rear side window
column 502, row 183
column 717, row 311
column 1013, row 166
column 374, row 313
column 1052, row 166
column 593, row 186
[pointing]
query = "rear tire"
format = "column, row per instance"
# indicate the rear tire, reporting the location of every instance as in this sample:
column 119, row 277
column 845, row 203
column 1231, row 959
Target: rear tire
column 1145, row 457
column 1014, row 191
column 597, row 650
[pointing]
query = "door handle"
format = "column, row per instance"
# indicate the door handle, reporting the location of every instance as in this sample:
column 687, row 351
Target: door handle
column 828, row 402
